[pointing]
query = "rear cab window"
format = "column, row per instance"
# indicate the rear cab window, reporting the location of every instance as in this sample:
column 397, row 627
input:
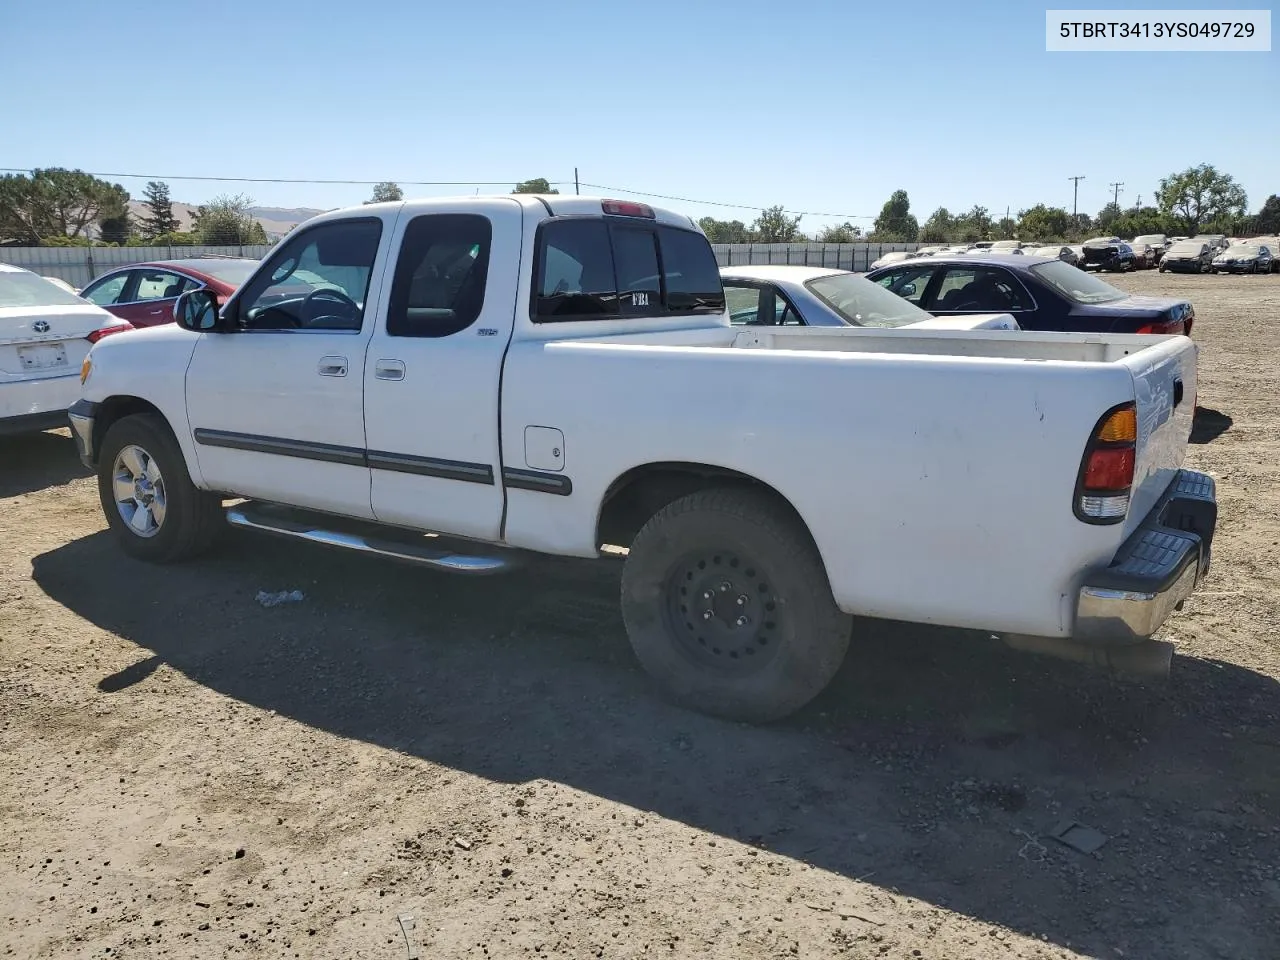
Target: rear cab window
column 613, row 268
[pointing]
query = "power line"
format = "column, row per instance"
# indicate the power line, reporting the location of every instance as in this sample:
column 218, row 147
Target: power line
column 455, row 183
column 734, row 206
column 1075, row 198
column 1116, row 187
column 353, row 183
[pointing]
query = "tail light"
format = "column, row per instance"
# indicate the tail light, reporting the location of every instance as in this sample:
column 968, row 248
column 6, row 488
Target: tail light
column 96, row 335
column 1106, row 472
column 1164, row 326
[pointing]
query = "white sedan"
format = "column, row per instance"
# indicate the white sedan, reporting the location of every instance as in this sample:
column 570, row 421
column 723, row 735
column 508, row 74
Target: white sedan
column 766, row 295
column 45, row 334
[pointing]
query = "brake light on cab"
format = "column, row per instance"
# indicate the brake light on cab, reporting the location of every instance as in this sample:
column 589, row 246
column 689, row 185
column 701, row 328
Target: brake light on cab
column 1106, row 472
column 627, row 208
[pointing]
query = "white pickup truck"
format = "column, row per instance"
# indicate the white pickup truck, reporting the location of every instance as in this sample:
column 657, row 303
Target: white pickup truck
column 470, row 382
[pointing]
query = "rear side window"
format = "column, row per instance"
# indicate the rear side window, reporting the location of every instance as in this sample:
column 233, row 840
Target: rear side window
column 595, row 269
column 440, row 276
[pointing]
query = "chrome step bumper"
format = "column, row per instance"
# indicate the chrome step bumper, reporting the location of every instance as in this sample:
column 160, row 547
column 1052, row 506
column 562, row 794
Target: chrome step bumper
column 1155, row 570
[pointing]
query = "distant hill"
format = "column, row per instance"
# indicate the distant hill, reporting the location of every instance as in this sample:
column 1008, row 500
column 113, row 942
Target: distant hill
column 276, row 221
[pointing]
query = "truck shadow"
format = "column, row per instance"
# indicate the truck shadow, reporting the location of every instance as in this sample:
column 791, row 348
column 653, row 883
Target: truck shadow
column 1209, row 425
column 933, row 767
column 31, row 462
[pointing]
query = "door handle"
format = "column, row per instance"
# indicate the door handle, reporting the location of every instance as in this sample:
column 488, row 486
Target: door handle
column 333, row 366
column 156, row 313
column 389, row 370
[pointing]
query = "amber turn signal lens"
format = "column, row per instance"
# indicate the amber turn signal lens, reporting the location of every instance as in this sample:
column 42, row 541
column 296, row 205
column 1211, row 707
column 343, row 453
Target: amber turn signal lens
column 1121, row 427
column 85, row 367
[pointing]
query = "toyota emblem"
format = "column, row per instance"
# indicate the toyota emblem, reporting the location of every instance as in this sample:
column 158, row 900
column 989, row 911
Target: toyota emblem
column 40, row 326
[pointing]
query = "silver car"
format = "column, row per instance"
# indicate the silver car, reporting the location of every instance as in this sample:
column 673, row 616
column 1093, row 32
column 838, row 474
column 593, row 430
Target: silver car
column 783, row 296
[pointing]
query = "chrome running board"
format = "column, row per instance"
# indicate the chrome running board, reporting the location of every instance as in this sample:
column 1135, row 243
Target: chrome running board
column 416, row 549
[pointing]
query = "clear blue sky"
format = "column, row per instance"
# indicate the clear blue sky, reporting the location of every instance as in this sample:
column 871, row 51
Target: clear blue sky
column 819, row 106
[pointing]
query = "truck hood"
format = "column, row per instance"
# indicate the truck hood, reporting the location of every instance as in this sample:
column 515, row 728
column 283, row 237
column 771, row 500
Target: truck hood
column 977, row 321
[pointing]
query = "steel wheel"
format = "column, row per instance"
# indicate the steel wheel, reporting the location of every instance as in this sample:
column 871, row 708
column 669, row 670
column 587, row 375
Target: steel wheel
column 724, row 612
column 138, row 489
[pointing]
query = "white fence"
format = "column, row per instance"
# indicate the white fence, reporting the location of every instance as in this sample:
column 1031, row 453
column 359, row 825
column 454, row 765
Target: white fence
column 841, row 256
column 80, row 265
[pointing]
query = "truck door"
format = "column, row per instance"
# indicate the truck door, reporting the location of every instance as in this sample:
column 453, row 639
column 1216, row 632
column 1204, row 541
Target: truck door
column 434, row 367
column 276, row 402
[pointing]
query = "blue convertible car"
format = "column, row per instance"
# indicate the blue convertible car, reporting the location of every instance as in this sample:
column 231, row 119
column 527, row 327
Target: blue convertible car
column 1042, row 293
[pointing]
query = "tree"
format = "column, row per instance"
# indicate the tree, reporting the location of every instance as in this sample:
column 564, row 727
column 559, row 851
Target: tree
column 1005, row 228
column 1268, row 219
column 895, row 222
column 225, row 220
column 537, row 185
column 974, row 225
column 116, row 229
column 159, row 219
column 1083, row 225
column 1199, row 194
column 388, row 190
column 1043, row 223
column 774, row 226
column 725, row 231
column 55, row 202
column 1107, row 217
column 939, row 227
column 844, row 233
column 1135, row 223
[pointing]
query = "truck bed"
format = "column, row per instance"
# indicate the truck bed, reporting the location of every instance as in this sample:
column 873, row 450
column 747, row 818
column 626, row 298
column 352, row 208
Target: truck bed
column 992, row 344
column 969, row 442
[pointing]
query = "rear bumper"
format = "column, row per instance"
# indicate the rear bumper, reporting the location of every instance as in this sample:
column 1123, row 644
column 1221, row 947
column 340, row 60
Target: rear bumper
column 1155, row 570
column 81, row 416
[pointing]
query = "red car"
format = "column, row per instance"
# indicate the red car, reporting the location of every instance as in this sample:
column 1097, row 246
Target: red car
column 144, row 293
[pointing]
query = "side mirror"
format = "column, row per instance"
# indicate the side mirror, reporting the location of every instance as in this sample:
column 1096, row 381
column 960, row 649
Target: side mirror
column 908, row 291
column 197, row 311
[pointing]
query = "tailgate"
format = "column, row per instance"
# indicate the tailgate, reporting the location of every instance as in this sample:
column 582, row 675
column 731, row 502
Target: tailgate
column 1164, row 386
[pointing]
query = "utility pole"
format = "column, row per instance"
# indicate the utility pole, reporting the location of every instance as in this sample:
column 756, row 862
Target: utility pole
column 1116, row 187
column 1075, row 198
column 575, row 181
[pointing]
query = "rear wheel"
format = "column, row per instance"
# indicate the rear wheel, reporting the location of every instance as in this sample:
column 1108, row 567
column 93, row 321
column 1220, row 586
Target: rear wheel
column 150, row 503
column 728, row 607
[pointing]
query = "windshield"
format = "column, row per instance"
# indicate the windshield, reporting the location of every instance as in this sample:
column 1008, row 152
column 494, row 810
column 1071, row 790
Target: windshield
column 863, row 303
column 1048, row 251
column 1154, row 240
column 28, row 290
column 1074, row 284
column 233, row 272
column 1241, row 250
column 1186, row 249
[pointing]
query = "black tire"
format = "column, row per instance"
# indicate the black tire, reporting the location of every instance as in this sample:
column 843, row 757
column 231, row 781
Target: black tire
column 700, row 656
column 192, row 518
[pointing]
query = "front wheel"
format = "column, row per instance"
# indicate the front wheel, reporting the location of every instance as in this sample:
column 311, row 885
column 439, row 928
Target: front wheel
column 728, row 606
column 156, row 513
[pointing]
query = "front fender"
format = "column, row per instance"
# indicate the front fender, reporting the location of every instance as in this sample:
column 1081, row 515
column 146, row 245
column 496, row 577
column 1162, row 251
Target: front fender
column 136, row 372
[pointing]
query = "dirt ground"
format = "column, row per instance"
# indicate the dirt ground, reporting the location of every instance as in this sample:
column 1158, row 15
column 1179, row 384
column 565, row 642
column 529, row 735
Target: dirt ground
column 188, row 774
